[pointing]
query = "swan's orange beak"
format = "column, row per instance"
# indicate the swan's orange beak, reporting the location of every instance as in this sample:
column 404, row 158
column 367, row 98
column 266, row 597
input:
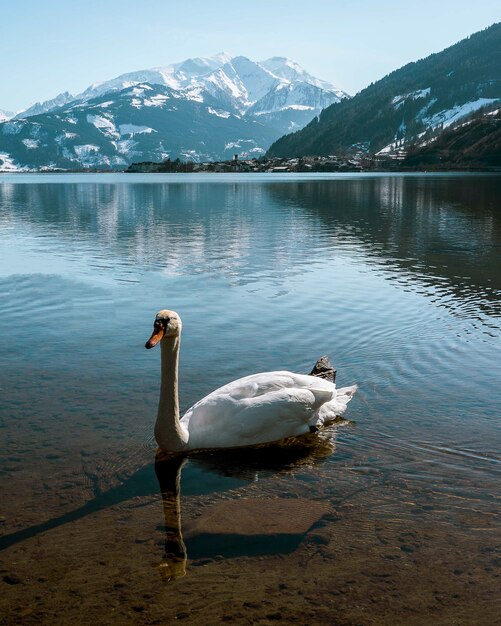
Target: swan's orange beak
column 158, row 333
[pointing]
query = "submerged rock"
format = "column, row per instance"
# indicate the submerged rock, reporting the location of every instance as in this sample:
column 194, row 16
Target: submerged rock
column 256, row 516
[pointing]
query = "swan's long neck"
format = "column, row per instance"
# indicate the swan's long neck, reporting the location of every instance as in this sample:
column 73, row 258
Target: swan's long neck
column 169, row 433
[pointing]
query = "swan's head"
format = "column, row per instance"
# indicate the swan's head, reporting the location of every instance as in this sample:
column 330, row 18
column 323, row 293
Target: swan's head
column 167, row 324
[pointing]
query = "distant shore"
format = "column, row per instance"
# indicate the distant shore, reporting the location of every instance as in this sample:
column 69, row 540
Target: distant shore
column 298, row 165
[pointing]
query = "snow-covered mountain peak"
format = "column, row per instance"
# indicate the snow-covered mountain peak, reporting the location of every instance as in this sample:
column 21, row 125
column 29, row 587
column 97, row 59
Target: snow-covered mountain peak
column 237, row 81
column 222, row 57
column 49, row 105
column 290, row 70
column 276, row 64
column 251, row 80
column 197, row 66
column 211, row 62
column 176, row 76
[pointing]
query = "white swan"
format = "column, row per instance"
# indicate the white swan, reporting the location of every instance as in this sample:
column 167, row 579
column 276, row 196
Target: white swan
column 256, row 409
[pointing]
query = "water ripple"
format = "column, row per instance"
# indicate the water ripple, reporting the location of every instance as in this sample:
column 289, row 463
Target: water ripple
column 397, row 279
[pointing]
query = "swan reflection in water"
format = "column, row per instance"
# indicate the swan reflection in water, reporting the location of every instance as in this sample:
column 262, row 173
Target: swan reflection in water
column 235, row 464
column 218, row 470
column 247, row 464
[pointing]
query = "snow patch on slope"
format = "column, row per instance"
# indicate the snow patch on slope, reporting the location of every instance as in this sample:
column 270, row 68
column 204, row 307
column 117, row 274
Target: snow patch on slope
column 156, row 101
column 219, row 113
column 247, row 147
column 133, row 129
column 7, row 164
column 398, row 101
column 394, row 146
column 194, row 94
column 105, row 125
column 449, row 116
column 86, row 150
column 31, row 144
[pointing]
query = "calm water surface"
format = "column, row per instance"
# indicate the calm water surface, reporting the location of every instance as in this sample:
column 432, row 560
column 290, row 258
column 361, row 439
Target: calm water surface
column 397, row 278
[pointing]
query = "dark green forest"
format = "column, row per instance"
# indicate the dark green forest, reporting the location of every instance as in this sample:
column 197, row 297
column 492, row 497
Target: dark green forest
column 401, row 105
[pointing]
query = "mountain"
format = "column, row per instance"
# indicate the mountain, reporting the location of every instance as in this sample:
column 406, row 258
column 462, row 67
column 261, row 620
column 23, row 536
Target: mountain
column 44, row 107
column 199, row 109
column 143, row 122
column 421, row 97
column 238, row 81
column 475, row 144
column 289, row 105
column 175, row 76
column 291, row 71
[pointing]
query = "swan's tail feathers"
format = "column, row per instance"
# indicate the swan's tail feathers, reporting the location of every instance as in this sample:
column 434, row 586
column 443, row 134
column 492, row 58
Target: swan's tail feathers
column 330, row 410
column 345, row 394
column 324, row 369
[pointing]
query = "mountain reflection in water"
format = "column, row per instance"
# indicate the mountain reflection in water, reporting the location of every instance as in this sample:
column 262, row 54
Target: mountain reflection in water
column 438, row 232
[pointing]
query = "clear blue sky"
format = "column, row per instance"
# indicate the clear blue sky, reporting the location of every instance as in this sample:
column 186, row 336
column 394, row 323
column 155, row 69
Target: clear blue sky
column 50, row 46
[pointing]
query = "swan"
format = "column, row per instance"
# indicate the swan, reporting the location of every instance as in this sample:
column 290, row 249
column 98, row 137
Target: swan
column 257, row 409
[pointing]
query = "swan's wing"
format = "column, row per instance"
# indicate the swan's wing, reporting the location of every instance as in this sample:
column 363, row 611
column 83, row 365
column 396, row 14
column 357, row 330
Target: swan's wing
column 257, row 409
column 264, row 382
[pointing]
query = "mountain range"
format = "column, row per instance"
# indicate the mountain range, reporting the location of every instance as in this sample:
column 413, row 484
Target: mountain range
column 437, row 111
column 199, row 109
column 409, row 107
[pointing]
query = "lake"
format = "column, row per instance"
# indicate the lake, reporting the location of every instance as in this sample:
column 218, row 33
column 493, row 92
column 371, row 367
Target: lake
column 389, row 517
